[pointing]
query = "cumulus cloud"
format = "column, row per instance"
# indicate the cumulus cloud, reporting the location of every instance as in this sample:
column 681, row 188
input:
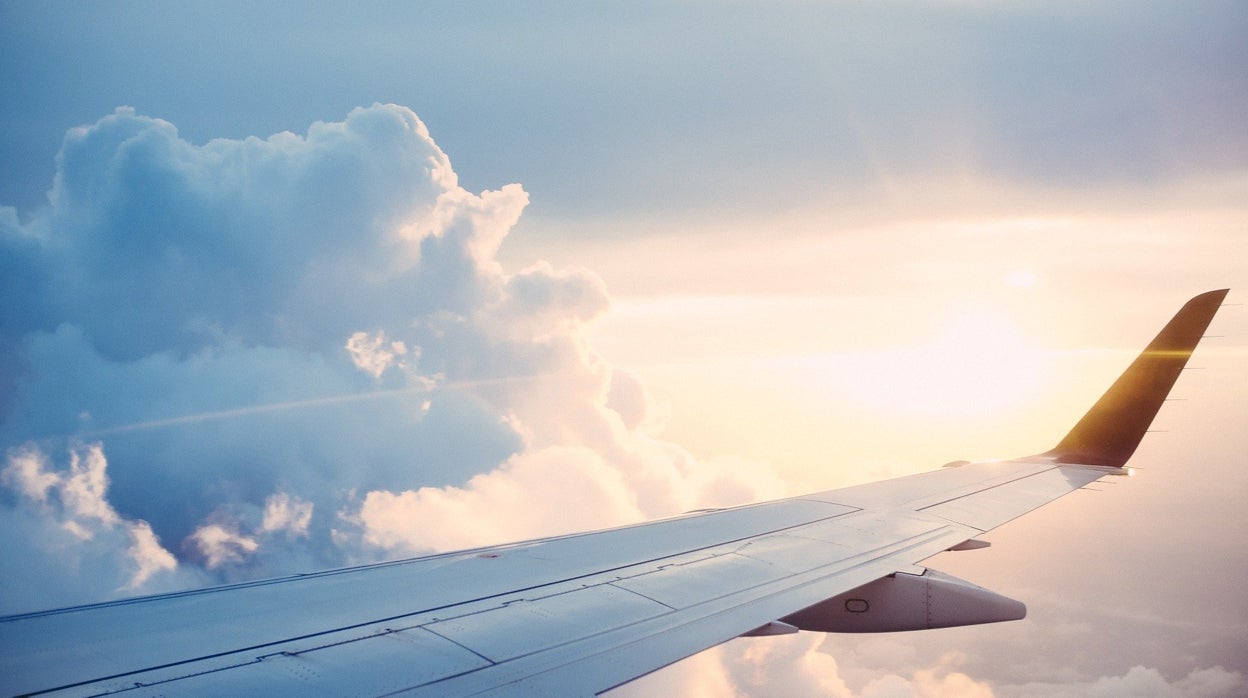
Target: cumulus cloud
column 793, row 665
column 283, row 512
column 1144, row 682
column 801, row 665
column 529, row 493
column 372, row 354
column 65, row 543
column 299, row 352
column 219, row 545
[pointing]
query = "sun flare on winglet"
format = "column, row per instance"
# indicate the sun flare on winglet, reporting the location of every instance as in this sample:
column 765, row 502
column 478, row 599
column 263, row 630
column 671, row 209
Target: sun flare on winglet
column 1111, row 430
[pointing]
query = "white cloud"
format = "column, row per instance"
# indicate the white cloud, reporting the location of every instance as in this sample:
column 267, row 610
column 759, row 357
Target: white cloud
column 84, row 490
column 148, row 555
column 64, row 543
column 793, row 665
column 285, row 512
column 1143, row 682
column 220, row 544
column 372, row 354
column 527, row 497
column 316, row 323
column 26, row 473
column 700, row 676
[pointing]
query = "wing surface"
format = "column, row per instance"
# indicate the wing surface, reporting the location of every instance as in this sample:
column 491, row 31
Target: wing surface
column 581, row 614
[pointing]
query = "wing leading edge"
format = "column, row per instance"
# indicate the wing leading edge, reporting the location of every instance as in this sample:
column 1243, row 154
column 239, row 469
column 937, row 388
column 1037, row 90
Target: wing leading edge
column 578, row 615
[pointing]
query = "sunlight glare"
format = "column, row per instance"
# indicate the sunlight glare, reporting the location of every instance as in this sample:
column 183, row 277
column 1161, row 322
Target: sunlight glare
column 978, row 362
column 1021, row 278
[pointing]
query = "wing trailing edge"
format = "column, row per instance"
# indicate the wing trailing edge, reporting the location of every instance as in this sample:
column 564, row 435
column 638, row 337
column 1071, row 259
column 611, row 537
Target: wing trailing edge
column 1112, row 429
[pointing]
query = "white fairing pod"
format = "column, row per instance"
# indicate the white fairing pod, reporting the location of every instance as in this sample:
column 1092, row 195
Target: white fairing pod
column 907, row 602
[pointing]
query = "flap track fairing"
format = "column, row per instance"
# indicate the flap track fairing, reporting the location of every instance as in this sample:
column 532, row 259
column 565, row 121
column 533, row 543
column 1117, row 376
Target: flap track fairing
column 908, row 602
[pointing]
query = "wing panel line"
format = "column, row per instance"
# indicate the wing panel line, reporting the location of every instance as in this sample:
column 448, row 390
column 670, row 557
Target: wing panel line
column 354, row 626
column 588, row 648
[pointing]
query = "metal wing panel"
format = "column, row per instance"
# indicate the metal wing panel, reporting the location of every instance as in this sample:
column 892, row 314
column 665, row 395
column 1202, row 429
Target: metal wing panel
column 989, row 508
column 815, row 568
column 524, row 627
column 935, row 486
column 615, row 656
column 374, row 665
column 495, row 619
column 71, row 646
column 708, row 577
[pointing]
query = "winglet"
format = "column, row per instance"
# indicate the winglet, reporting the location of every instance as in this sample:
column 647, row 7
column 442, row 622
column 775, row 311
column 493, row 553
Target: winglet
column 1110, row 432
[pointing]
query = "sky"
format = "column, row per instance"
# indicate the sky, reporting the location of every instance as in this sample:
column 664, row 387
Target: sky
column 303, row 285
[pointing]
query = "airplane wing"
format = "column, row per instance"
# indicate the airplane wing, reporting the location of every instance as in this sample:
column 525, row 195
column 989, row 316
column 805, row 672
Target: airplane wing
column 580, row 614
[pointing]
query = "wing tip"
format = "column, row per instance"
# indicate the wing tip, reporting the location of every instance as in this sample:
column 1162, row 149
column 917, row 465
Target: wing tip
column 1112, row 429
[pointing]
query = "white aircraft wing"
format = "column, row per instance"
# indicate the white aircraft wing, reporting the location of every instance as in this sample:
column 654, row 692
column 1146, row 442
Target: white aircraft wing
column 578, row 615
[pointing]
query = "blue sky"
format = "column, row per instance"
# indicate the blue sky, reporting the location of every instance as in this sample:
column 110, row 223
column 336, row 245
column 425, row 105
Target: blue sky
column 613, row 105
column 664, row 255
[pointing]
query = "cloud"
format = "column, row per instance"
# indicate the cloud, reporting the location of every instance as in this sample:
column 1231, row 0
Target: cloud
column 373, row 354
column 300, row 352
column 220, row 545
column 800, row 665
column 526, row 497
column 793, row 665
column 1144, row 682
column 65, row 544
column 283, row 512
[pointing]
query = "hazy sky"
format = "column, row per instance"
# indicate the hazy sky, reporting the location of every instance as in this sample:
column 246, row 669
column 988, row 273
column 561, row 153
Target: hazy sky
column 301, row 285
